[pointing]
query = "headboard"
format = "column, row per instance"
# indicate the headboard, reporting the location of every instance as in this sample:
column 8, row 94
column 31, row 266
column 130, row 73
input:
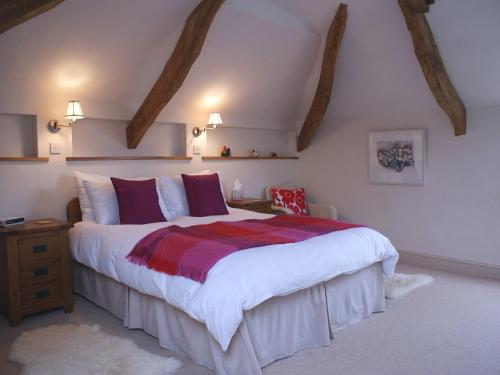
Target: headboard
column 73, row 211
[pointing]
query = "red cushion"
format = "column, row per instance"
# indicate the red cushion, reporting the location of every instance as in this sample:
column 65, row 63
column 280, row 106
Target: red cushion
column 138, row 201
column 204, row 195
column 294, row 199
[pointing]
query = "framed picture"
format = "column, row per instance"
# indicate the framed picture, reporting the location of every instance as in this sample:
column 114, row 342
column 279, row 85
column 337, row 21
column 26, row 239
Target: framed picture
column 397, row 157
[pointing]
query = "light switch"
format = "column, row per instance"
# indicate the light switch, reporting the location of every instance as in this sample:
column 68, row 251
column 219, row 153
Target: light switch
column 196, row 150
column 55, row 148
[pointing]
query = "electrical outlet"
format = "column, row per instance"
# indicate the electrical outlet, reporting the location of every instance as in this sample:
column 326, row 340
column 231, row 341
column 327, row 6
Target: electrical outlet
column 196, row 150
column 55, row 148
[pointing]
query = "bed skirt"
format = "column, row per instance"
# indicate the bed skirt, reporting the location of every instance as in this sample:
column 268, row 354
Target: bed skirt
column 275, row 329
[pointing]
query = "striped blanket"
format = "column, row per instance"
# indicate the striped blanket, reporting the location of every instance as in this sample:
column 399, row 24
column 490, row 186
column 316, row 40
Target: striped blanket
column 192, row 251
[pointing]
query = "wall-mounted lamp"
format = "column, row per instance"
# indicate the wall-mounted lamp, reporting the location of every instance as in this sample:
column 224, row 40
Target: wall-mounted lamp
column 213, row 120
column 73, row 112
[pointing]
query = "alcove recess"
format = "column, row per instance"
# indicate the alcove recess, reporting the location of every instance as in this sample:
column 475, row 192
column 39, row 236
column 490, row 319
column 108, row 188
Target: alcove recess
column 104, row 139
column 242, row 140
column 18, row 141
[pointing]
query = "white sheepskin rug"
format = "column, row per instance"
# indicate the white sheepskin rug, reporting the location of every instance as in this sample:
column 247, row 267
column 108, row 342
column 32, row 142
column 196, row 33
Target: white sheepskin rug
column 84, row 349
column 402, row 284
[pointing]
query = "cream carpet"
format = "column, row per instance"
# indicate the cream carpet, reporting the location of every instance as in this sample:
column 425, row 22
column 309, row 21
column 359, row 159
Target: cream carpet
column 85, row 349
column 449, row 327
column 402, row 284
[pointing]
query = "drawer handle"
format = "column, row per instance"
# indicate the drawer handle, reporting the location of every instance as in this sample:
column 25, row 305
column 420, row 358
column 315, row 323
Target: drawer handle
column 41, row 271
column 42, row 293
column 37, row 249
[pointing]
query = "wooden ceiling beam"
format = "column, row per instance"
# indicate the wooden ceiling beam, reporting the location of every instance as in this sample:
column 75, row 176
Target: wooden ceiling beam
column 174, row 73
column 419, row 6
column 432, row 65
column 325, row 84
column 13, row 13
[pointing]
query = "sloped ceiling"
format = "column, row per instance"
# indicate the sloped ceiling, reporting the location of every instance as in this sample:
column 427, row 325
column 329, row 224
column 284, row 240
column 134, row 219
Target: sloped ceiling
column 259, row 63
column 377, row 71
column 109, row 53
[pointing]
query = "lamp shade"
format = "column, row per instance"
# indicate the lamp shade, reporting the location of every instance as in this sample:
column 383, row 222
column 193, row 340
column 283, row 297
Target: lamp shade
column 213, row 120
column 74, row 111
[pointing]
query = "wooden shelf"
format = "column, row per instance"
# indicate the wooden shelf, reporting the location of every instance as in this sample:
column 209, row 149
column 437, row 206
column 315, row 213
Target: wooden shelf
column 22, row 158
column 249, row 158
column 107, row 158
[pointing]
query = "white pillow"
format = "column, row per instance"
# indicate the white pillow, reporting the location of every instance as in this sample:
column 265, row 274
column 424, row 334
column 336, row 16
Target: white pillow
column 85, row 203
column 87, row 207
column 174, row 195
column 104, row 202
column 219, row 173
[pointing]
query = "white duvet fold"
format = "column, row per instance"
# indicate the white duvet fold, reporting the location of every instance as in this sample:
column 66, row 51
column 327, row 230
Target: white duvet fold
column 239, row 281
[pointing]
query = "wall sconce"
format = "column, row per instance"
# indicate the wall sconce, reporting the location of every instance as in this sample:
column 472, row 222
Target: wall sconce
column 213, row 120
column 73, row 112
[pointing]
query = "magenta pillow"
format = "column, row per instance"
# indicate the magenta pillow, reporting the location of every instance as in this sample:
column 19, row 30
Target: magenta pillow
column 204, row 195
column 138, row 201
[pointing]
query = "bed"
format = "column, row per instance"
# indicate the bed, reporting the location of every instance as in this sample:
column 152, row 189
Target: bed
column 241, row 319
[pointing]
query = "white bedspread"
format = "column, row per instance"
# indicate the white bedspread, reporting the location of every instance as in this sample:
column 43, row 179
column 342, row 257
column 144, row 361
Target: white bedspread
column 239, row 281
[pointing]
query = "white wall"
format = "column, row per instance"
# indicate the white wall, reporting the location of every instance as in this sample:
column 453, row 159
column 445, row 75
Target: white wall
column 81, row 50
column 98, row 137
column 38, row 190
column 17, row 135
column 243, row 140
column 41, row 190
column 379, row 85
column 457, row 213
column 259, row 59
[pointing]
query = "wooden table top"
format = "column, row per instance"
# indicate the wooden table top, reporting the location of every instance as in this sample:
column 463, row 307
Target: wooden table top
column 248, row 201
column 32, row 226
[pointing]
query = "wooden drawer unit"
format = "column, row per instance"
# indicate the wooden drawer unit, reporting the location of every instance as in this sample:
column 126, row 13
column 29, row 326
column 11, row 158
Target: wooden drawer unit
column 35, row 270
column 40, row 295
column 37, row 248
column 40, row 271
column 252, row 204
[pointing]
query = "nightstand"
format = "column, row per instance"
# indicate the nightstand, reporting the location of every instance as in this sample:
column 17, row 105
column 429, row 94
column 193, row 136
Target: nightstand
column 252, row 204
column 35, row 273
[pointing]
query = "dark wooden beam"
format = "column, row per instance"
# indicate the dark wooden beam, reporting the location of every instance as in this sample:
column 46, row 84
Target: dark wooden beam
column 324, row 89
column 432, row 65
column 175, row 71
column 15, row 12
column 419, row 6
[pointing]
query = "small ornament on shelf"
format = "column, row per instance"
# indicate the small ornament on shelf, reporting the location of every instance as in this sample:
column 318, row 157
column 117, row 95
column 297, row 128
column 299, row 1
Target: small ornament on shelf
column 274, row 155
column 225, row 151
column 254, row 154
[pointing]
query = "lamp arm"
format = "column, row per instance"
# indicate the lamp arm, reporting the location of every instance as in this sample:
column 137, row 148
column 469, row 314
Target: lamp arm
column 55, row 126
column 197, row 131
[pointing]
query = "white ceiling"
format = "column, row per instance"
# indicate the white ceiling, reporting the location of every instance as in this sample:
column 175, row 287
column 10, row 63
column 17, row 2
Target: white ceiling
column 259, row 64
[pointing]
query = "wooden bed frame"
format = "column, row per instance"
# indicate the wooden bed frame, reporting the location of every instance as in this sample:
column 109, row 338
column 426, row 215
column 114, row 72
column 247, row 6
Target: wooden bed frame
column 73, row 211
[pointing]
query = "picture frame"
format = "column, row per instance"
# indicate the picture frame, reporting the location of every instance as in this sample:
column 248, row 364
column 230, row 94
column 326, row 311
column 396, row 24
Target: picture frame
column 398, row 157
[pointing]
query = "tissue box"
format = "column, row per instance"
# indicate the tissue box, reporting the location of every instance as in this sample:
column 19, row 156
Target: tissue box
column 237, row 195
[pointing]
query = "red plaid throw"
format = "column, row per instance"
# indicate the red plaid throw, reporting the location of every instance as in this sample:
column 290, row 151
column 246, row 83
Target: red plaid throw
column 192, row 251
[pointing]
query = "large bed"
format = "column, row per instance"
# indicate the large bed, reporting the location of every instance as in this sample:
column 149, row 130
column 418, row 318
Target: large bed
column 256, row 305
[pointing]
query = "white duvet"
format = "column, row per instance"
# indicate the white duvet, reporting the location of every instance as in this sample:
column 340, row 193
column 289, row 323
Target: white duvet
column 239, row 281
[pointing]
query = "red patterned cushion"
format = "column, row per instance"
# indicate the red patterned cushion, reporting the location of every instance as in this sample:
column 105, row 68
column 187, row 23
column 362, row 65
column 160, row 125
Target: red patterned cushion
column 294, row 199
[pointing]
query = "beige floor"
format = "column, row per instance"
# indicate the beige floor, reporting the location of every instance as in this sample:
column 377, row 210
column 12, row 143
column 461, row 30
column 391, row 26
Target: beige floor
column 450, row 327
